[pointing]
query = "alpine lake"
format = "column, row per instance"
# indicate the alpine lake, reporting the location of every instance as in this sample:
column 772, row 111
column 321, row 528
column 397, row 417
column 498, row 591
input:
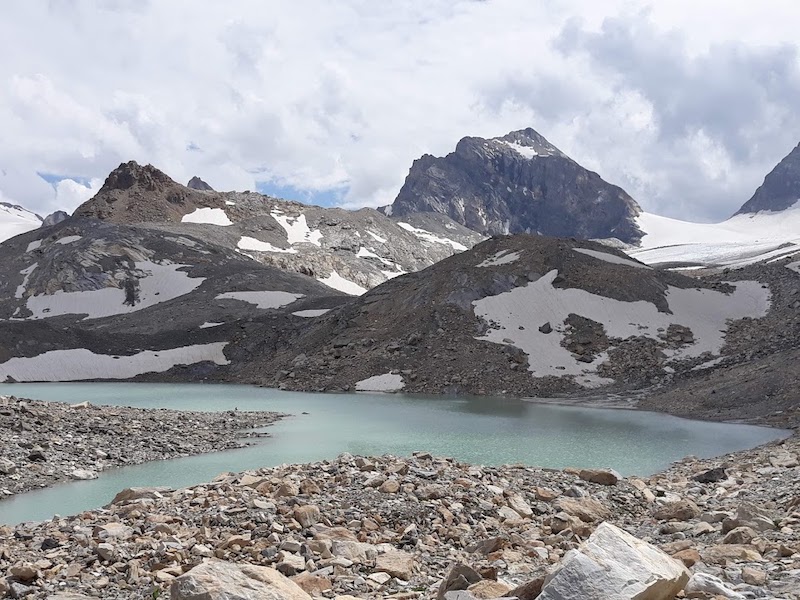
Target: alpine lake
column 489, row 431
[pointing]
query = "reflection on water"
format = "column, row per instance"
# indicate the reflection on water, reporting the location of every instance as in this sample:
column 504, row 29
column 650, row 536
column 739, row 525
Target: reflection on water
column 472, row 429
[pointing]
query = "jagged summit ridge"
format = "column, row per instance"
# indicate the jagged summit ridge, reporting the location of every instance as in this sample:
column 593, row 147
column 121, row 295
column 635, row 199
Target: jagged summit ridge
column 518, row 183
column 781, row 187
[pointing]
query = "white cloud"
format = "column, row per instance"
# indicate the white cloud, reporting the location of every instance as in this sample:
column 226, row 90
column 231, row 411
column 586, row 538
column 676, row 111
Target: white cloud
column 319, row 95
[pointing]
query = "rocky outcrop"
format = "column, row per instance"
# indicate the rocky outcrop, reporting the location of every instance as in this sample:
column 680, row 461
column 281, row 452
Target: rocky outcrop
column 55, row 218
column 781, row 187
column 517, row 183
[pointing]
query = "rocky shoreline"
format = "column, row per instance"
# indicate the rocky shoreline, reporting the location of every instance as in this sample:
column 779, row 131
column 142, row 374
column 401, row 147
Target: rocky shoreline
column 420, row 527
column 47, row 442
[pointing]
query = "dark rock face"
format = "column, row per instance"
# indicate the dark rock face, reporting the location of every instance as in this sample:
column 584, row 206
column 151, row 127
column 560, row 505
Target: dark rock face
column 518, row 183
column 195, row 183
column 55, row 218
column 781, row 187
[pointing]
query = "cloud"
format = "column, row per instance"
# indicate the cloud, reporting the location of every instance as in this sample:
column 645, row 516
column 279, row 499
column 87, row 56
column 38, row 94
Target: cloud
column 686, row 105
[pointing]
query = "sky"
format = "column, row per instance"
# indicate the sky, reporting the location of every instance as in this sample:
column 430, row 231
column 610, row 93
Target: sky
column 685, row 104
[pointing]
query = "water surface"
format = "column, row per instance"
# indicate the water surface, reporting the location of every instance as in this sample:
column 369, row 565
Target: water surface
column 488, row 431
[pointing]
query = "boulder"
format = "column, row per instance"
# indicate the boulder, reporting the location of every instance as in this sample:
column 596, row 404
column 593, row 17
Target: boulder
column 600, row 476
column 614, row 565
column 459, row 577
column 220, row 580
column 307, row 515
column 587, row 510
column 707, row 585
column 138, row 493
column 397, row 564
column 83, row 474
column 680, row 510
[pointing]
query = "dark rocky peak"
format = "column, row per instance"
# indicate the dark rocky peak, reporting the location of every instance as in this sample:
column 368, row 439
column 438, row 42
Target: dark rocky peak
column 195, row 183
column 132, row 174
column 55, row 218
column 518, row 183
column 781, row 187
column 136, row 194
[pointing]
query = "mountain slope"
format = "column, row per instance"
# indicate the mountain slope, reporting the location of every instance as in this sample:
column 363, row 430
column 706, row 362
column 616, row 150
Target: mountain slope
column 15, row 220
column 524, row 315
column 351, row 251
column 518, row 183
column 91, row 300
column 781, row 187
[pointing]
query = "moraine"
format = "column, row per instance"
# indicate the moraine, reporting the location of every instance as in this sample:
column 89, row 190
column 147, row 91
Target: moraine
column 488, row 431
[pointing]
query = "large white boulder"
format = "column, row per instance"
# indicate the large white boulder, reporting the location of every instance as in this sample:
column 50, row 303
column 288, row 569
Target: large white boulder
column 219, row 580
column 614, row 565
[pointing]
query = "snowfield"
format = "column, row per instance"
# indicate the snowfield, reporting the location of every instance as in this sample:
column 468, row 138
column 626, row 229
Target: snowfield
column 515, row 317
column 80, row 364
column 427, row 236
column 337, row 282
column 297, row 230
column 611, row 258
column 249, row 243
column 504, row 257
column 262, row 300
column 741, row 240
column 157, row 283
column 388, row 382
column 312, row 312
column 208, row 216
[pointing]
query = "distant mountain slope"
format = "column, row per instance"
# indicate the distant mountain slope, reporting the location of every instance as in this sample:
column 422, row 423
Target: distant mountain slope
column 90, row 300
column 781, row 187
column 524, row 315
column 15, row 220
column 351, row 251
column 517, row 183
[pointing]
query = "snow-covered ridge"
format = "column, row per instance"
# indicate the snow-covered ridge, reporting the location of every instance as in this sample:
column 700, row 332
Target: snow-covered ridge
column 15, row 220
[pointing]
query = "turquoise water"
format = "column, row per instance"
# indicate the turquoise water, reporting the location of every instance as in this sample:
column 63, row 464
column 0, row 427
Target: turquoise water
column 488, row 431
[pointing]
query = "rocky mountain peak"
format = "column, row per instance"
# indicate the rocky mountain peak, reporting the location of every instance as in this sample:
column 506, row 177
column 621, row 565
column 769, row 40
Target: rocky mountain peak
column 518, row 183
column 132, row 174
column 781, row 187
column 195, row 183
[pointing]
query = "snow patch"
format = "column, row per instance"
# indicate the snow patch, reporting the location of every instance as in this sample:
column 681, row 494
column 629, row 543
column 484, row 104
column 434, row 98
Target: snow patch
column 208, row 216
column 794, row 266
column 337, row 282
column 297, row 230
column 80, row 363
column 388, row 382
column 34, row 245
column 263, row 300
column 157, row 283
column 376, row 237
column 611, row 258
column 24, row 285
column 68, row 239
column 209, row 324
column 312, row 312
column 427, row 236
column 249, row 243
column 503, row 257
column 516, row 315
column 525, row 151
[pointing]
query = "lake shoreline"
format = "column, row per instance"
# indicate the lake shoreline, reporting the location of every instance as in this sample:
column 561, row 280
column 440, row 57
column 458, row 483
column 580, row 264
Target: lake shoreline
column 45, row 443
column 374, row 527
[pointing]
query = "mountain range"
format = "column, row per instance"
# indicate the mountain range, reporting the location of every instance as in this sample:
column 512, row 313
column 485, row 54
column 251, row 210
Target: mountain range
column 503, row 268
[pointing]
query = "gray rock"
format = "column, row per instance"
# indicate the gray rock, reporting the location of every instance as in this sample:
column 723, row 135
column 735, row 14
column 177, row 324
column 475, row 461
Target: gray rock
column 220, row 580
